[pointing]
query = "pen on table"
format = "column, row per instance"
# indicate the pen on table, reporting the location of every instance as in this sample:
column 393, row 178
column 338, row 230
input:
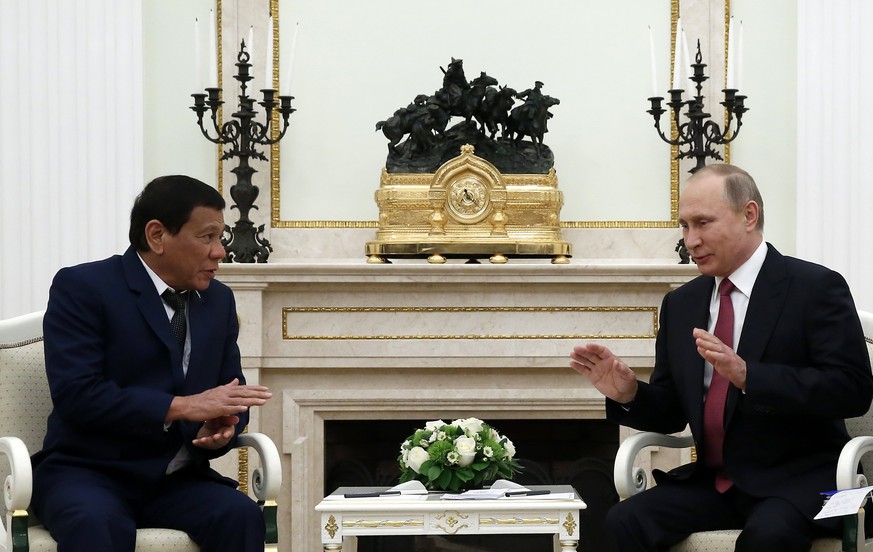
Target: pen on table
column 527, row 493
column 371, row 495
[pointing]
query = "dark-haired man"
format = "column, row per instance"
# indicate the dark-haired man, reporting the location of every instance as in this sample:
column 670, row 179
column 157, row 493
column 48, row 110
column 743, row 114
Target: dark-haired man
column 146, row 385
column 764, row 357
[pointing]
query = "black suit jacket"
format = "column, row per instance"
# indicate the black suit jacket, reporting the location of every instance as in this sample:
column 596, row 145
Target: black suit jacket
column 807, row 370
column 114, row 367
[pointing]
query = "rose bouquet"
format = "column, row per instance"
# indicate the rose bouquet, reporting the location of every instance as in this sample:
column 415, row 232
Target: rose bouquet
column 463, row 454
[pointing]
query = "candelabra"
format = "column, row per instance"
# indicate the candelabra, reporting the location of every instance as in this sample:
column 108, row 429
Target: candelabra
column 243, row 243
column 700, row 132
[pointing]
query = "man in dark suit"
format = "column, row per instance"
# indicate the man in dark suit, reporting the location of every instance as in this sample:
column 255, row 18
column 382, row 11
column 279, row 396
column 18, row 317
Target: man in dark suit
column 765, row 402
column 146, row 384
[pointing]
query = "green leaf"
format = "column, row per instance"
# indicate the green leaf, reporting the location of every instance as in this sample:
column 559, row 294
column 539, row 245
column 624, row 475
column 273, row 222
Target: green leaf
column 435, row 471
column 444, row 479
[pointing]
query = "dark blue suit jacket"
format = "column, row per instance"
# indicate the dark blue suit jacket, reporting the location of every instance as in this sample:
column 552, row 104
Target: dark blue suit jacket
column 807, row 370
column 113, row 369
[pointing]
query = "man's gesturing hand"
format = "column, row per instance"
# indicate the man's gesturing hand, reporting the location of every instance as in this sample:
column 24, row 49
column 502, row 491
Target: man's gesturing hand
column 224, row 400
column 606, row 372
column 216, row 433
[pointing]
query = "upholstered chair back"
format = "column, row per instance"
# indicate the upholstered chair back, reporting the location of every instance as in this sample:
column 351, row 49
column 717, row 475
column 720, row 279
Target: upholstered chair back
column 25, row 402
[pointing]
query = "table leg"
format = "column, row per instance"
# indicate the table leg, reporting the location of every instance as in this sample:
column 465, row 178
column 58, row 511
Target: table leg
column 335, row 547
column 569, row 545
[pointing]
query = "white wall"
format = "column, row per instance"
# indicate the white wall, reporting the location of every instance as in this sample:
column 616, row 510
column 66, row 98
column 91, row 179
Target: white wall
column 767, row 145
column 172, row 141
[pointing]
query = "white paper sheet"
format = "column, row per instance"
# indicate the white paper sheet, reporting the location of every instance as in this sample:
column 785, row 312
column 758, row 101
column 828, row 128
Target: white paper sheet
column 844, row 503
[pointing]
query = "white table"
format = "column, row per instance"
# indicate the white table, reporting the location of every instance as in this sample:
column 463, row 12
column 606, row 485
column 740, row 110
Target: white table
column 354, row 517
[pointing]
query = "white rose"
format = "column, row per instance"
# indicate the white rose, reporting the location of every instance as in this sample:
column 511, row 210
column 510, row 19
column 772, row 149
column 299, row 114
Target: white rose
column 434, row 425
column 469, row 425
column 417, row 457
column 465, row 444
column 510, row 449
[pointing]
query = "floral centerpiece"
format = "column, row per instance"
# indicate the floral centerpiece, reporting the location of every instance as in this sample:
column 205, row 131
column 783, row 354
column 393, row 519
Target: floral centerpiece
column 459, row 455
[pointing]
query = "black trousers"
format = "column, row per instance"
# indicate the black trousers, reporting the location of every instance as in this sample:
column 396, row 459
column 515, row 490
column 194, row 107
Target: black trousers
column 662, row 516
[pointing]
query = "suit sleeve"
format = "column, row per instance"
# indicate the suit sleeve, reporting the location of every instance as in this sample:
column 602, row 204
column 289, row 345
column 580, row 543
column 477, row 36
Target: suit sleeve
column 656, row 406
column 75, row 352
column 828, row 375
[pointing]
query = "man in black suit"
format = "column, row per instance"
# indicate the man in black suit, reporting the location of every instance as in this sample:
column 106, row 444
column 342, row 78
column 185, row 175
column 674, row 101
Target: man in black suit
column 146, row 384
column 766, row 402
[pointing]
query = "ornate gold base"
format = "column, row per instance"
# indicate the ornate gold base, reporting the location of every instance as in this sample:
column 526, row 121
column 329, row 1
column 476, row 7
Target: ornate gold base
column 468, row 209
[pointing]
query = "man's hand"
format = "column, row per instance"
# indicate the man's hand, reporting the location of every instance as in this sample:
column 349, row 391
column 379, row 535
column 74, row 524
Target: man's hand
column 723, row 359
column 216, row 433
column 224, row 400
column 606, row 372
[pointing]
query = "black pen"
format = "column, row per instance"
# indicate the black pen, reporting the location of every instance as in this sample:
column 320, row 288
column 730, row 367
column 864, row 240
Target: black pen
column 527, row 493
column 371, row 495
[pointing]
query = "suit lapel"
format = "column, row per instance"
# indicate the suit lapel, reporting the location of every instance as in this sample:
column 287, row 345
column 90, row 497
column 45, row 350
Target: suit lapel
column 697, row 309
column 152, row 310
column 768, row 297
column 198, row 322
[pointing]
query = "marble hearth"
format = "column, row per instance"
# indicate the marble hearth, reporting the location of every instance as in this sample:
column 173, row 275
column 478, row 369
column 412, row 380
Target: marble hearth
column 410, row 341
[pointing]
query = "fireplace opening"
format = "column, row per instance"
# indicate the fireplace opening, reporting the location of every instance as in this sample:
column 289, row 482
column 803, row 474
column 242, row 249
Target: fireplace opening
column 553, row 452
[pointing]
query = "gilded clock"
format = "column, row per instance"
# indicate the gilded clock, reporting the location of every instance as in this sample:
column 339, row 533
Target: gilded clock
column 468, row 199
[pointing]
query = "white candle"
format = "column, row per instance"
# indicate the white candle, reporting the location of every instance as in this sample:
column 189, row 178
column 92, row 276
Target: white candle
column 268, row 59
column 289, row 63
column 686, row 60
column 250, row 44
column 212, row 77
column 677, row 56
column 654, row 65
column 739, row 75
column 198, row 70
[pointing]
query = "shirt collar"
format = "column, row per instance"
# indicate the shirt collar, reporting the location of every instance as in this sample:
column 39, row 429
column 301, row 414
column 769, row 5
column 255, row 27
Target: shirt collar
column 160, row 285
column 744, row 277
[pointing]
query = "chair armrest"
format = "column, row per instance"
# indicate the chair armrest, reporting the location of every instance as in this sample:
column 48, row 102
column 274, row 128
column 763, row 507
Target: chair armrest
column 267, row 479
column 19, row 483
column 630, row 480
column 847, row 466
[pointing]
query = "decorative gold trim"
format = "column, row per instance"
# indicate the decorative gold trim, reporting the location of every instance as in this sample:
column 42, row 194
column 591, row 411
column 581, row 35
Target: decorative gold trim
column 453, row 519
column 517, row 521
column 218, row 147
column 375, row 523
column 570, row 523
column 727, row 22
column 310, row 310
column 275, row 192
column 242, row 468
column 331, row 527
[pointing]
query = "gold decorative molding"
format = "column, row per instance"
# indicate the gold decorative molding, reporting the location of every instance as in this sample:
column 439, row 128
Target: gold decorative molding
column 286, row 311
column 518, row 521
column 376, row 523
column 275, row 156
column 570, row 524
column 331, row 527
column 454, row 521
column 727, row 22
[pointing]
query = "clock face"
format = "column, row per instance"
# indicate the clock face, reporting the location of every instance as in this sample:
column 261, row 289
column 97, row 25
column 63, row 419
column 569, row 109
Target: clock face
column 467, row 199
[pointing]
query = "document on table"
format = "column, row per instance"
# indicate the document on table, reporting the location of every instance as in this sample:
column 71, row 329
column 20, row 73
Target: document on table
column 507, row 490
column 404, row 492
column 844, row 503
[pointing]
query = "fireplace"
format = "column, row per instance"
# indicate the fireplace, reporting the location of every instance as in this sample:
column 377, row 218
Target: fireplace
column 348, row 346
column 573, row 452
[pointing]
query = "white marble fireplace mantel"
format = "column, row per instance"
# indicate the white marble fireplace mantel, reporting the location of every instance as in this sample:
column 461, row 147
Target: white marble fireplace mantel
column 344, row 340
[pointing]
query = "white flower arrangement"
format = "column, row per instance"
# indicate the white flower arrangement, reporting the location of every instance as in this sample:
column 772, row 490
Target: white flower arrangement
column 466, row 453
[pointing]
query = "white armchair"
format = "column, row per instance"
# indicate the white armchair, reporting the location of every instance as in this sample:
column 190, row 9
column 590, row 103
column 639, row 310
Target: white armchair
column 24, row 407
column 631, row 479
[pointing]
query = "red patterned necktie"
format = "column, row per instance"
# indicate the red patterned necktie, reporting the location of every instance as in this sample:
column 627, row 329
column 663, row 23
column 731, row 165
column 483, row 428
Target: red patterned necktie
column 713, row 409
